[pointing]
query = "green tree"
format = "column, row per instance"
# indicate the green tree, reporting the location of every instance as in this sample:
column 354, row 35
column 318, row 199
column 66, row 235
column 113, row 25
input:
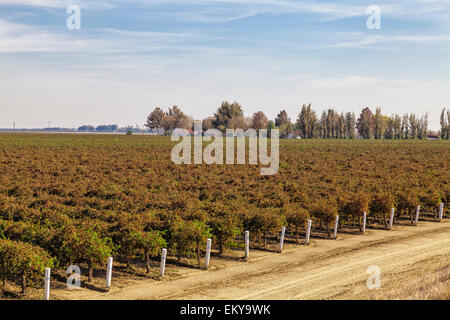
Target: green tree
column 229, row 116
column 307, row 122
column 188, row 236
column 413, row 126
column 323, row 128
column 151, row 242
column 124, row 234
column 405, row 126
column 397, row 127
column 378, row 124
column 262, row 223
column 355, row 205
column 448, row 125
column 444, row 124
column 381, row 205
column 389, row 133
column 283, row 123
column 430, row 200
column 422, row 127
column 350, row 125
column 94, row 249
column 341, row 126
column 23, row 259
column 282, row 119
column 366, row 124
column 224, row 224
column 296, row 218
column 325, row 210
column 270, row 127
column 407, row 201
column 155, row 119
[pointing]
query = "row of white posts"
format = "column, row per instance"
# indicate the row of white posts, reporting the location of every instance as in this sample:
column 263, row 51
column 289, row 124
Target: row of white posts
column 48, row 271
column 162, row 267
column 283, row 232
column 364, row 223
column 247, row 246
column 416, row 218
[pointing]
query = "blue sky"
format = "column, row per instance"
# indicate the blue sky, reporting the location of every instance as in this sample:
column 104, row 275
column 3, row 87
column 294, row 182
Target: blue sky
column 133, row 55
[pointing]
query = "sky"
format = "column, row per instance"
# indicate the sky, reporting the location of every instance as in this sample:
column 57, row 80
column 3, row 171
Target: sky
column 130, row 56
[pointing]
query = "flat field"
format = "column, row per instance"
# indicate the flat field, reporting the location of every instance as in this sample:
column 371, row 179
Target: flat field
column 56, row 188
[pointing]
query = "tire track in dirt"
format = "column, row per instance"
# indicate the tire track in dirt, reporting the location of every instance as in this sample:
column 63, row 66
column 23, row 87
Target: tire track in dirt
column 326, row 269
column 323, row 260
column 320, row 282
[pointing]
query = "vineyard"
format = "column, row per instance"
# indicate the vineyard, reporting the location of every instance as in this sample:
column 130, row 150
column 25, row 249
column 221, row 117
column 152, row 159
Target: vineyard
column 78, row 199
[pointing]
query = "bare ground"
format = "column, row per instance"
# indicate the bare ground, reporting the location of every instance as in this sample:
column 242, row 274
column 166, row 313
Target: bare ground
column 327, row 269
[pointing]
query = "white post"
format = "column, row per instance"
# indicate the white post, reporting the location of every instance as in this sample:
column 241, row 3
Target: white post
column 416, row 220
column 162, row 268
column 47, row 284
column 283, row 231
column 247, row 244
column 336, row 223
column 391, row 218
column 109, row 272
column 308, row 231
column 441, row 212
column 364, row 222
column 208, row 252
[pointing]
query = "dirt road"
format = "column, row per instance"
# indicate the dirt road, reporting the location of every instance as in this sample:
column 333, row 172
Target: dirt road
column 326, row 269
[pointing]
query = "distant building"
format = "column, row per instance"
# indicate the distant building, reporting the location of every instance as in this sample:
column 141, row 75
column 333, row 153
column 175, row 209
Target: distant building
column 433, row 137
column 294, row 135
column 182, row 132
column 86, row 128
column 107, row 128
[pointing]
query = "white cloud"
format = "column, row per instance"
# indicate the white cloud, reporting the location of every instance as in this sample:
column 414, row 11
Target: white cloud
column 57, row 4
column 16, row 38
column 215, row 11
column 352, row 82
column 224, row 11
column 36, row 3
column 369, row 41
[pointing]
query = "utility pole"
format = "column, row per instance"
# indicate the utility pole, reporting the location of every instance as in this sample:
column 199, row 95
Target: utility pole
column 14, row 126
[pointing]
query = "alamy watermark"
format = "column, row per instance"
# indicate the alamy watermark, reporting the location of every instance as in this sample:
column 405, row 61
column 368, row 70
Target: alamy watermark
column 374, row 281
column 73, row 281
column 73, row 22
column 374, row 20
column 235, row 140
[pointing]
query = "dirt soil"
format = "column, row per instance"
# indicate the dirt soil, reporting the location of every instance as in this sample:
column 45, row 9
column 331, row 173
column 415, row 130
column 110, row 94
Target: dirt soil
column 326, row 269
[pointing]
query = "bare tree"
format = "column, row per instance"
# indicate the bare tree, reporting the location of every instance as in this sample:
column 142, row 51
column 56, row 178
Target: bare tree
column 259, row 121
column 176, row 119
column 207, row 123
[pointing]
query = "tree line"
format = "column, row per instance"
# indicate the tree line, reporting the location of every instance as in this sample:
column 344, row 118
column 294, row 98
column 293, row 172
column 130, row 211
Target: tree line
column 330, row 124
column 445, row 124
